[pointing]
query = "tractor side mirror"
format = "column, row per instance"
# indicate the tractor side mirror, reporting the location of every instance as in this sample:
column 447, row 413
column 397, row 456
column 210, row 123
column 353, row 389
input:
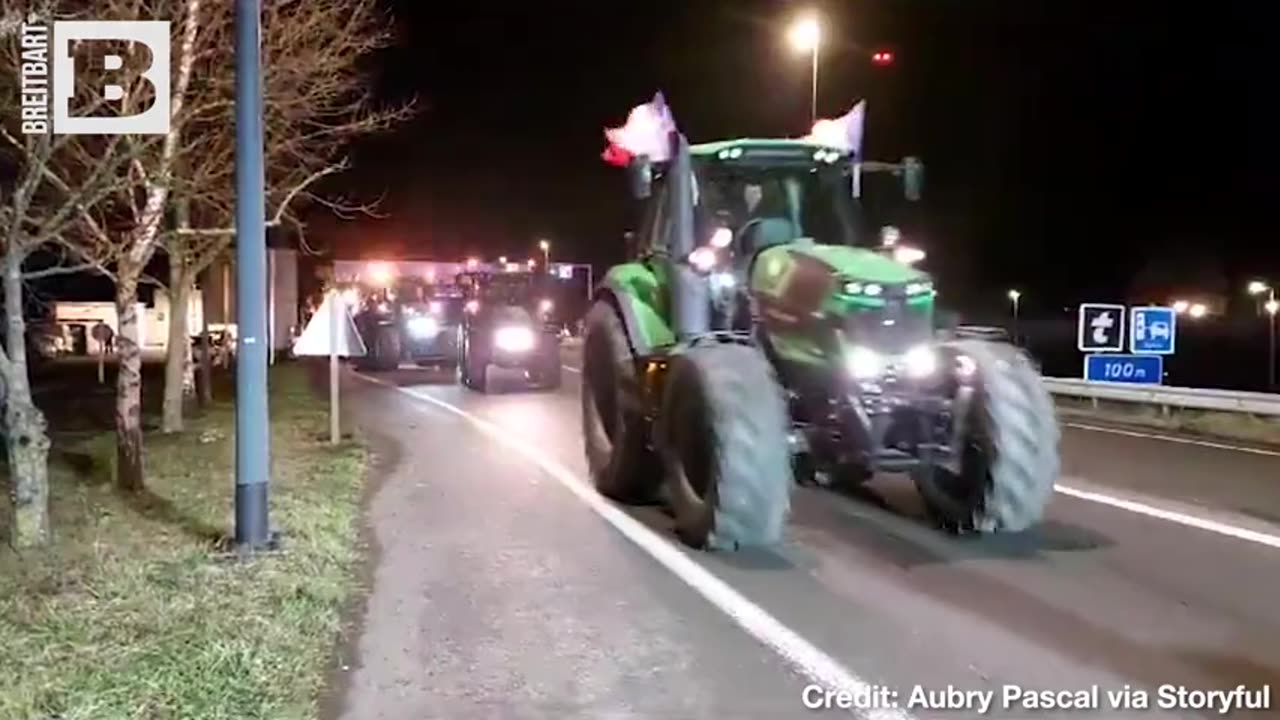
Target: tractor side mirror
column 912, row 178
column 640, row 176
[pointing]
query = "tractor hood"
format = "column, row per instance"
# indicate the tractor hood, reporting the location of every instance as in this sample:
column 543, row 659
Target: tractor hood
column 860, row 264
column 804, row 290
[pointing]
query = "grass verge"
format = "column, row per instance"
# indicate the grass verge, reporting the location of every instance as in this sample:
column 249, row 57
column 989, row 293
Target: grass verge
column 133, row 614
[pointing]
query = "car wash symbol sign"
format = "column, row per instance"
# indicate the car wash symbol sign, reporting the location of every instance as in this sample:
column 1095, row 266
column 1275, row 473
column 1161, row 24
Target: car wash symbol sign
column 1101, row 328
column 85, row 60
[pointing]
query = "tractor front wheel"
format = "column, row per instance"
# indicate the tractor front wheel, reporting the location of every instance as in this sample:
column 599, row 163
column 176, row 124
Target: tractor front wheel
column 1010, row 448
column 722, row 436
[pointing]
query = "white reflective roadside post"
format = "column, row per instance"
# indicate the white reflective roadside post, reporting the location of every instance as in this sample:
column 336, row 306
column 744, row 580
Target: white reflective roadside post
column 335, row 425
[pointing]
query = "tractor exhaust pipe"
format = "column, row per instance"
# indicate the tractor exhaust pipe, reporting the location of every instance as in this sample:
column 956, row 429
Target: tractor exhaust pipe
column 691, row 298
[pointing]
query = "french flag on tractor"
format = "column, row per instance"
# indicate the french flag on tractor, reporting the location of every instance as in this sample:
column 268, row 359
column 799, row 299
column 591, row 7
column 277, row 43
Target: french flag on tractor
column 646, row 132
column 844, row 133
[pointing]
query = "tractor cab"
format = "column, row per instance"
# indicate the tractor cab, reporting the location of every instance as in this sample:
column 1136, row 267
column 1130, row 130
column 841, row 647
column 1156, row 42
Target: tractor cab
column 528, row 291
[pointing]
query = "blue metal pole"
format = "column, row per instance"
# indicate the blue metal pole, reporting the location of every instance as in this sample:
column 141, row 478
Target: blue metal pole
column 253, row 437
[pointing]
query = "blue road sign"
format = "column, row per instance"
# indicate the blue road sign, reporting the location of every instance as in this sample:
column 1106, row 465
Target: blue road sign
column 1101, row 328
column 1152, row 330
column 1133, row 369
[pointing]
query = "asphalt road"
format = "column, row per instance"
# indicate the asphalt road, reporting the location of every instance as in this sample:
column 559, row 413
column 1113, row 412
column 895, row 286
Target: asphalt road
column 505, row 588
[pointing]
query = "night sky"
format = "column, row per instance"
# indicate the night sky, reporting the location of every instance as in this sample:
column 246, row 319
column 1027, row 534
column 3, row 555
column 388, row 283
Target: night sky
column 1069, row 146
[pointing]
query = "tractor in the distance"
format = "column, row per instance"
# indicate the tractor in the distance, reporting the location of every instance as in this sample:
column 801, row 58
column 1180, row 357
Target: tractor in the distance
column 408, row 320
column 754, row 340
column 510, row 326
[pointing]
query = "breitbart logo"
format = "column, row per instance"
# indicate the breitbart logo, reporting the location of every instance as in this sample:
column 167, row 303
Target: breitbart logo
column 74, row 80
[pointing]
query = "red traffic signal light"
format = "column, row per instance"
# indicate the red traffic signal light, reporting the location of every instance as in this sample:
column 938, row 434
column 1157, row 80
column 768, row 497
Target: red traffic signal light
column 882, row 57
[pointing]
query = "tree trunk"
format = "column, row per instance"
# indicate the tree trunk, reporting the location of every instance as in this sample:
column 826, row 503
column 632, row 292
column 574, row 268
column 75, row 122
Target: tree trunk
column 128, row 388
column 177, row 359
column 206, row 359
column 25, row 433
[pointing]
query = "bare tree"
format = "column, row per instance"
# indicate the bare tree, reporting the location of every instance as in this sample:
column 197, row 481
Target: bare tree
column 121, row 234
column 317, row 98
column 45, row 182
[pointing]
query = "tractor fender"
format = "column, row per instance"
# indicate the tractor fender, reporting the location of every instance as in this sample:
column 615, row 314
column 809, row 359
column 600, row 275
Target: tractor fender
column 646, row 329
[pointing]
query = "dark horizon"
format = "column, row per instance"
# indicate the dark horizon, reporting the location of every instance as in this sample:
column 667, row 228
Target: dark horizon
column 1065, row 154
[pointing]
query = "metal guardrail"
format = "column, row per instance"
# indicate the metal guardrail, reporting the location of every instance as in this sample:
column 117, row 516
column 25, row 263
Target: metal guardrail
column 1253, row 403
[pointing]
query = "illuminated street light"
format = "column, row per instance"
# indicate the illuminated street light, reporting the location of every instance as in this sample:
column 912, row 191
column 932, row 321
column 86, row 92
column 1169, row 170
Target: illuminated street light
column 380, row 273
column 1198, row 310
column 1014, row 300
column 1271, row 306
column 1180, row 306
column 545, row 247
column 806, row 36
column 472, row 263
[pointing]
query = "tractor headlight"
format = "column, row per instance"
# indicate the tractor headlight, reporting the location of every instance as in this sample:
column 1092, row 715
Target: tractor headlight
column 863, row 363
column 920, row 361
column 514, row 339
column 423, row 326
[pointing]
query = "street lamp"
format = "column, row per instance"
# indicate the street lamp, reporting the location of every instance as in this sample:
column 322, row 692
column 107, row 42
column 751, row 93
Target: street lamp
column 545, row 247
column 1198, row 310
column 1272, row 306
column 806, row 36
column 1014, row 298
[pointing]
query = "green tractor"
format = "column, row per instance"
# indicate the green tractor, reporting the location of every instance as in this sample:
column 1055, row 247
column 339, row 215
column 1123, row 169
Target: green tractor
column 753, row 343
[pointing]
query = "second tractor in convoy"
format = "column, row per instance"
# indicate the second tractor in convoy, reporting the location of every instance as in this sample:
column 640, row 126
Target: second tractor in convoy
column 509, row 327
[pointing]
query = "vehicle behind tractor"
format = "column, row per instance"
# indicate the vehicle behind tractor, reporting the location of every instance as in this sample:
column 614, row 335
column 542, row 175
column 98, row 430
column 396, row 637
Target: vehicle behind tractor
column 407, row 320
column 755, row 340
column 509, row 326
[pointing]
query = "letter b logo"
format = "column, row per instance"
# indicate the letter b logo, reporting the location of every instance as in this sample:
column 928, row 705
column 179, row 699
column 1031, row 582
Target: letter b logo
column 153, row 36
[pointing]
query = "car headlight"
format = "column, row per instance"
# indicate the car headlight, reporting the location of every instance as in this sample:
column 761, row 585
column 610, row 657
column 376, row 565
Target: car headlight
column 514, row 339
column 920, row 361
column 423, row 326
column 863, row 363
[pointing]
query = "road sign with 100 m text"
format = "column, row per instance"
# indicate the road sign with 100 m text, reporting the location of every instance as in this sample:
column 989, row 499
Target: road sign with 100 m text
column 1129, row 369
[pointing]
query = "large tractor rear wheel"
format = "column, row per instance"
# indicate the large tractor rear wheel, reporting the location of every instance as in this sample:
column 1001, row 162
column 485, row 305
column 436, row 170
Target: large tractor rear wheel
column 722, row 436
column 613, row 425
column 1010, row 460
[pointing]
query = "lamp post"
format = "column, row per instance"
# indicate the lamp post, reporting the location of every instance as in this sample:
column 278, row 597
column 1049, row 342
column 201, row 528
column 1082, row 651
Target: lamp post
column 545, row 247
column 1014, row 298
column 1272, row 306
column 806, row 36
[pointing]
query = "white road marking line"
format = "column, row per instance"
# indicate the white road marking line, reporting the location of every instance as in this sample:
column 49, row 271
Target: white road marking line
column 1172, row 439
column 1140, row 508
column 810, row 661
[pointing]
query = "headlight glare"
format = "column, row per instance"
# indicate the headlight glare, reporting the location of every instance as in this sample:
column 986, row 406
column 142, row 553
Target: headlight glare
column 422, row 326
column 920, row 361
column 514, row 339
column 863, row 363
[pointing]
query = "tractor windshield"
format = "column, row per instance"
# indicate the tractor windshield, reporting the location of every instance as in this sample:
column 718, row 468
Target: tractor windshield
column 766, row 206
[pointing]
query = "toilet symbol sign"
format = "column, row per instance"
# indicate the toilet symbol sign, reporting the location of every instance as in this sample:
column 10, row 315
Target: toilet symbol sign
column 1101, row 328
